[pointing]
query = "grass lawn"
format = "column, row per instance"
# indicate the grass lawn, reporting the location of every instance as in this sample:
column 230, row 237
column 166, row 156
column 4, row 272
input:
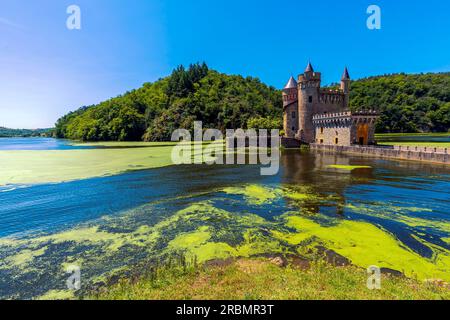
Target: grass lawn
column 416, row 144
column 433, row 140
column 439, row 134
column 260, row 279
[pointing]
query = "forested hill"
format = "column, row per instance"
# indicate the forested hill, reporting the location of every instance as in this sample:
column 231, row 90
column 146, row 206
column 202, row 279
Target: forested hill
column 408, row 103
column 9, row 133
column 155, row 110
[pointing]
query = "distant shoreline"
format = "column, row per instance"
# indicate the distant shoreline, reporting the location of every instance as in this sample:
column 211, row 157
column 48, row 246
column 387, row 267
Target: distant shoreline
column 25, row 133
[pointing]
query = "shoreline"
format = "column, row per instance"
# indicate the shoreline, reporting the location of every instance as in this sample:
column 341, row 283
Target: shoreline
column 289, row 277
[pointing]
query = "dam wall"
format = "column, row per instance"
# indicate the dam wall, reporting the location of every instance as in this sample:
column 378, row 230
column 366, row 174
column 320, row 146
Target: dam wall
column 428, row 154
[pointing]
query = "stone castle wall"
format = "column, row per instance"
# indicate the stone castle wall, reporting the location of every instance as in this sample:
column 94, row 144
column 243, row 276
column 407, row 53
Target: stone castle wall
column 345, row 128
column 436, row 155
column 290, row 120
column 334, row 128
column 338, row 135
column 331, row 101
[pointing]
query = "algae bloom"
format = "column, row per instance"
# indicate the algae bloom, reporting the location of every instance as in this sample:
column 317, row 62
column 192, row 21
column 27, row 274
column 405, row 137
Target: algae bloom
column 347, row 167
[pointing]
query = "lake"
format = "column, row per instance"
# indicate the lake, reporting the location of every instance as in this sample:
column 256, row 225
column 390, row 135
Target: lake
column 36, row 144
column 389, row 213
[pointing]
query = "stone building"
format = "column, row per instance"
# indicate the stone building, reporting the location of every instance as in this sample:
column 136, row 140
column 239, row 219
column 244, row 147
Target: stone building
column 312, row 114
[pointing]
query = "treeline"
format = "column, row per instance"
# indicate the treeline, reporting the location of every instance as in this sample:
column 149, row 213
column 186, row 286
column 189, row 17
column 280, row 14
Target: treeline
column 10, row 133
column 407, row 103
column 154, row 111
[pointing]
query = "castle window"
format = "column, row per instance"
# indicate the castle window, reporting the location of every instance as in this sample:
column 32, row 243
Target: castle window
column 293, row 114
column 310, row 99
column 321, row 130
column 337, row 140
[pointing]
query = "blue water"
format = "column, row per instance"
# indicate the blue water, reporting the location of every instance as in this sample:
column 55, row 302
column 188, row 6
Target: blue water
column 50, row 207
column 37, row 144
column 147, row 196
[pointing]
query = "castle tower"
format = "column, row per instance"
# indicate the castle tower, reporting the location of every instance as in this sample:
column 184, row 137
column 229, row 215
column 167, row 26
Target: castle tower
column 321, row 115
column 345, row 87
column 290, row 108
column 290, row 92
column 308, row 100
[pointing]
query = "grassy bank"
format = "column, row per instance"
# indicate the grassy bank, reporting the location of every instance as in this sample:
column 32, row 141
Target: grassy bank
column 433, row 140
column 416, row 144
column 261, row 279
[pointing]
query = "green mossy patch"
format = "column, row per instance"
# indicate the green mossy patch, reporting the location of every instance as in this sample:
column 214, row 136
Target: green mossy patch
column 347, row 167
column 365, row 245
column 255, row 194
column 53, row 166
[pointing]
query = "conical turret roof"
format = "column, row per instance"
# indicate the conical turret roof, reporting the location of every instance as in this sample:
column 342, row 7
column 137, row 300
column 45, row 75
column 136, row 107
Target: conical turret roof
column 309, row 68
column 291, row 83
column 345, row 75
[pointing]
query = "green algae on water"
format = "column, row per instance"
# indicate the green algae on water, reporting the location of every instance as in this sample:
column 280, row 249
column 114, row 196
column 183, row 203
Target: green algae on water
column 255, row 194
column 264, row 195
column 400, row 214
column 347, row 167
column 25, row 257
column 304, row 194
column 203, row 230
column 53, row 166
column 365, row 245
column 197, row 243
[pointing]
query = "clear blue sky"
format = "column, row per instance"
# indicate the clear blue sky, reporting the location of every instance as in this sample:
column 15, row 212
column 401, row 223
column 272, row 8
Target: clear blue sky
column 47, row 70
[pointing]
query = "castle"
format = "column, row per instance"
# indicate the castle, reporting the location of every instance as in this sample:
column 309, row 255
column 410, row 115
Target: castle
column 312, row 114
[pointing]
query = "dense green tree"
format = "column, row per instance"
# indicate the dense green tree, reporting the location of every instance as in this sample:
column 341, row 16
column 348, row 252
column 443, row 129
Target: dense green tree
column 265, row 123
column 407, row 103
column 155, row 110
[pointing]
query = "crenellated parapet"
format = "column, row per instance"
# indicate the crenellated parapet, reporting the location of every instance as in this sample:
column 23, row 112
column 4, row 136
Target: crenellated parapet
column 368, row 112
column 309, row 79
column 333, row 119
column 365, row 116
column 345, row 118
column 331, row 91
column 311, row 83
column 331, row 96
column 330, row 116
